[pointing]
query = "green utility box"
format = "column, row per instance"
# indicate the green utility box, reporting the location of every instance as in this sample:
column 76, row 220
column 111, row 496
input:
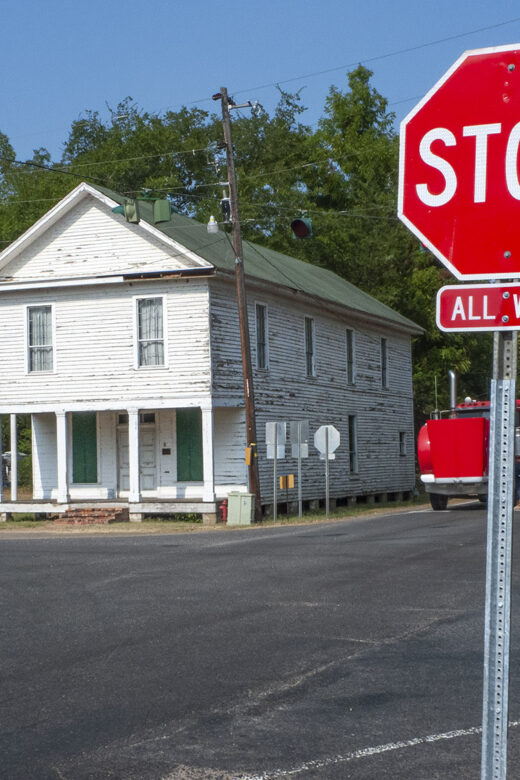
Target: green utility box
column 240, row 508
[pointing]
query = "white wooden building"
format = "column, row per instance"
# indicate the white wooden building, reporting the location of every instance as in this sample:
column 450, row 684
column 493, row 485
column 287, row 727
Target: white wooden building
column 121, row 341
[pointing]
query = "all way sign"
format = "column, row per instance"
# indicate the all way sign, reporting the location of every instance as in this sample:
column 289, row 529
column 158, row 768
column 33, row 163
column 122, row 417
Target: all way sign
column 472, row 307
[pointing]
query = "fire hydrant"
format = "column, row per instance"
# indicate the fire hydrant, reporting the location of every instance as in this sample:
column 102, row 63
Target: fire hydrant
column 223, row 510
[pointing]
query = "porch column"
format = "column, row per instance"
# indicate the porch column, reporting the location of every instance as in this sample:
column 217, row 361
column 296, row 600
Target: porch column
column 134, row 494
column 62, row 457
column 208, row 471
column 14, row 460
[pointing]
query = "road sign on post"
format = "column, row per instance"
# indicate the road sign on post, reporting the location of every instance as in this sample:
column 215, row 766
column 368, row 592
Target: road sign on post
column 459, row 183
column 299, row 432
column 326, row 440
column 275, row 436
column 459, row 192
column 478, row 307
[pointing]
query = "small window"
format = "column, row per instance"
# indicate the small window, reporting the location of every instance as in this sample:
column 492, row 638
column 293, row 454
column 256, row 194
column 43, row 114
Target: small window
column 402, row 443
column 351, row 369
column 144, row 417
column 261, row 336
column 39, row 332
column 310, row 358
column 352, row 444
column 150, row 332
column 384, row 363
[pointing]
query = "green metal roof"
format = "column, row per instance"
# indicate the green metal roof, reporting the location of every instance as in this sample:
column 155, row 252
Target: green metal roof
column 266, row 264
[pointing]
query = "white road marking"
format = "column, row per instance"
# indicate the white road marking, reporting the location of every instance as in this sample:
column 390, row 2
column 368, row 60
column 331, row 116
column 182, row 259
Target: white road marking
column 364, row 752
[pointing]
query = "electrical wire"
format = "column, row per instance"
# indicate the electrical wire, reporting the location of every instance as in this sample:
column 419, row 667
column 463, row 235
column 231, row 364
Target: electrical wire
column 366, row 60
column 47, row 168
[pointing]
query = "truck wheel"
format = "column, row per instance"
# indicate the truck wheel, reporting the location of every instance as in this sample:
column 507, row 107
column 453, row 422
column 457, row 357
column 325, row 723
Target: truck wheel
column 483, row 499
column 438, row 502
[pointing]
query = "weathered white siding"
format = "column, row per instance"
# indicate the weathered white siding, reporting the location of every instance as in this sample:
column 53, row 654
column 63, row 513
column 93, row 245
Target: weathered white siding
column 230, row 467
column 284, row 392
column 45, row 473
column 94, row 349
column 90, row 240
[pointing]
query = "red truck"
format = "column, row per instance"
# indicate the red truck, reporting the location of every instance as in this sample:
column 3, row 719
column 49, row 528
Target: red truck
column 453, row 450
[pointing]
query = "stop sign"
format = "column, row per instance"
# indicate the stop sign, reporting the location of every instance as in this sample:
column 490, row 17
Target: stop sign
column 459, row 179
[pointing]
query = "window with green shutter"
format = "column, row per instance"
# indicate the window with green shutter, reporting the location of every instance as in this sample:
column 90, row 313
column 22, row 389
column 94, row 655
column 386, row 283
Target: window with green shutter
column 189, row 445
column 84, row 448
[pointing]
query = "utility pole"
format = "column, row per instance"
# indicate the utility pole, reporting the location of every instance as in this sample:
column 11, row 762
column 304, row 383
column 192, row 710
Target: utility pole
column 254, row 482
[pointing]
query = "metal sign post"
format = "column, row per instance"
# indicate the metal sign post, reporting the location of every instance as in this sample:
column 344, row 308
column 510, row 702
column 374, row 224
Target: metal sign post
column 326, row 441
column 498, row 563
column 275, row 475
column 300, row 449
column 327, row 473
column 275, row 436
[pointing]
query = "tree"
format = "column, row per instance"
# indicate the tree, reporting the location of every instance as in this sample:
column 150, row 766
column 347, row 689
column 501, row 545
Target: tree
column 343, row 175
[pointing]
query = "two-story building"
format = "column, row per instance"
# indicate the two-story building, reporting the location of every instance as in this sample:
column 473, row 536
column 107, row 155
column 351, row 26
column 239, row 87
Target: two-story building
column 121, row 340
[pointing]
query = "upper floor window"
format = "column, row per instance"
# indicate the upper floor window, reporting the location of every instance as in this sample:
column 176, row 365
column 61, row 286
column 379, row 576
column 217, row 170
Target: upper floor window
column 352, row 444
column 39, row 332
column 261, row 336
column 384, row 363
column 310, row 354
column 402, row 443
column 150, row 332
column 351, row 366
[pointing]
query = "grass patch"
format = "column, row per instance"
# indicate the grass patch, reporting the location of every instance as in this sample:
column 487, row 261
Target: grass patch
column 180, row 518
column 347, row 511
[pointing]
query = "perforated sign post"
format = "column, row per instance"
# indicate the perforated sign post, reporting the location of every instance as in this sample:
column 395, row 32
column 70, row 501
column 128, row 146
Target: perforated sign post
column 459, row 192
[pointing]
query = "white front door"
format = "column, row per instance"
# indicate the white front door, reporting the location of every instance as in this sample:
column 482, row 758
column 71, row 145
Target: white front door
column 147, row 458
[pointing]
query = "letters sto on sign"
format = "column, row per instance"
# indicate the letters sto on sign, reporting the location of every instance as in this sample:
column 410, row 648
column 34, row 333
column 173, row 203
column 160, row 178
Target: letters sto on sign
column 459, row 182
column 459, row 192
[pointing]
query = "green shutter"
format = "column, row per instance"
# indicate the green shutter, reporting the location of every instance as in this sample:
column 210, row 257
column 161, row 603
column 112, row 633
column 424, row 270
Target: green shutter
column 84, row 448
column 189, row 445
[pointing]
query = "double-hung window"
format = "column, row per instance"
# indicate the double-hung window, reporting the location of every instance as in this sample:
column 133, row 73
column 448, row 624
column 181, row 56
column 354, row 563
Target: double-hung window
column 150, row 332
column 402, row 443
column 39, row 338
column 310, row 348
column 352, row 444
column 384, row 363
column 261, row 336
column 351, row 366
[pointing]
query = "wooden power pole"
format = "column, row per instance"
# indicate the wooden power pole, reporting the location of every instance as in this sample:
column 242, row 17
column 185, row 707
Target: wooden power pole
column 254, row 482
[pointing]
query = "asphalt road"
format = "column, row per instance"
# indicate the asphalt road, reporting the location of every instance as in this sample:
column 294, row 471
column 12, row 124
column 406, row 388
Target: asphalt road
column 346, row 650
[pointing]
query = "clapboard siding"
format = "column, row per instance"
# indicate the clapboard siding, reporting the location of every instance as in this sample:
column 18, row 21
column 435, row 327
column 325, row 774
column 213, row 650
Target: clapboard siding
column 229, row 426
column 95, row 349
column 284, row 392
column 45, row 473
column 90, row 240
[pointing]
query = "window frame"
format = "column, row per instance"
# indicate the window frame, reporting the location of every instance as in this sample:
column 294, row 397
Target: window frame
column 350, row 362
column 353, row 460
column 260, row 305
column 135, row 303
column 312, row 354
column 383, row 348
column 402, row 444
column 27, row 335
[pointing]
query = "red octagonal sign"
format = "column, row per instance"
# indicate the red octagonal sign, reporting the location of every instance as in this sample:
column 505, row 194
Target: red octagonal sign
column 459, row 174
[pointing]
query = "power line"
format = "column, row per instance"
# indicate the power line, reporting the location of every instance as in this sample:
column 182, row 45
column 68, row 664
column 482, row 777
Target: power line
column 366, row 60
column 47, row 168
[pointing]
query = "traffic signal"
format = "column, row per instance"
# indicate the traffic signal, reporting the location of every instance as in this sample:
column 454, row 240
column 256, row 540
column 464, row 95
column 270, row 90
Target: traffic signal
column 301, row 227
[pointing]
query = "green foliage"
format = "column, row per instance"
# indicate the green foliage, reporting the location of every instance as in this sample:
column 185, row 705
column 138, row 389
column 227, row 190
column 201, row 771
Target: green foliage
column 343, row 174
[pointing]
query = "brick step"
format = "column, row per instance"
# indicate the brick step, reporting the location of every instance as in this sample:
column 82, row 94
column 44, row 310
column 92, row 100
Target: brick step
column 92, row 516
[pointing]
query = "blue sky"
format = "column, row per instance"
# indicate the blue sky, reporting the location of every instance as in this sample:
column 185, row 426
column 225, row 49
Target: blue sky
column 63, row 57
